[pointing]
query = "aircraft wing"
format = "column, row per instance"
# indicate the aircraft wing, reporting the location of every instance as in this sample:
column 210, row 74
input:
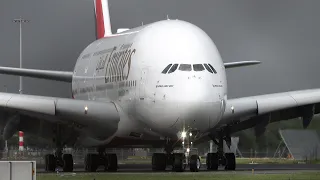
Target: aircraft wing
column 258, row 111
column 64, row 76
column 96, row 119
column 229, row 65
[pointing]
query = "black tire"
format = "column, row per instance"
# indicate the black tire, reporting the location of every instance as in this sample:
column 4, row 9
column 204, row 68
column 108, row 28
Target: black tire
column 50, row 163
column 208, row 161
column 2, row 143
column 230, row 161
column 112, row 162
column 194, row 163
column 169, row 160
column 91, row 162
column 85, row 163
column 212, row 161
column 178, row 162
column 67, row 162
column 106, row 163
column 159, row 162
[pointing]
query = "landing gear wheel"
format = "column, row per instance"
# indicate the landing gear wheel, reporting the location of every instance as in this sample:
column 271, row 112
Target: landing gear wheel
column 106, row 163
column 50, row 162
column 91, row 162
column 158, row 162
column 112, row 162
column 67, row 162
column 212, row 161
column 194, row 163
column 230, row 161
column 178, row 162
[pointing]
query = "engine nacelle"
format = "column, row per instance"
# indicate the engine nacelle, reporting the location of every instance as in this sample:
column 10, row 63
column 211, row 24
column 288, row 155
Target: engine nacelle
column 260, row 128
column 11, row 127
column 307, row 113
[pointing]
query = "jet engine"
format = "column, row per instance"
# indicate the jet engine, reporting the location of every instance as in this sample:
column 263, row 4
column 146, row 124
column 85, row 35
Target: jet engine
column 307, row 113
column 260, row 128
column 11, row 127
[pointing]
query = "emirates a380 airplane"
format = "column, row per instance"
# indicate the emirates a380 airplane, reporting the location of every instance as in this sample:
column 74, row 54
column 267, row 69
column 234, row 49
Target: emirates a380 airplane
column 158, row 85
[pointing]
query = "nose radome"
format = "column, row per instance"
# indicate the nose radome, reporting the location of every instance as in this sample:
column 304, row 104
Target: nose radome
column 193, row 90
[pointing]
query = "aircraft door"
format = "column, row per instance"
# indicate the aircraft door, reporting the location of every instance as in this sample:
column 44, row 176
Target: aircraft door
column 143, row 82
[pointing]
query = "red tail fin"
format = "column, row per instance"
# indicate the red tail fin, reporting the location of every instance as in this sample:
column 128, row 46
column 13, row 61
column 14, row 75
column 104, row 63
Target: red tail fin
column 103, row 26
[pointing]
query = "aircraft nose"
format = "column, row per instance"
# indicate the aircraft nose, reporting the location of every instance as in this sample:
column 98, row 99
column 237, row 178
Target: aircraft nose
column 199, row 106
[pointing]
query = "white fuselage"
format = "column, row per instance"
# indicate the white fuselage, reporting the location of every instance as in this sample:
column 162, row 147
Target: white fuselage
column 127, row 69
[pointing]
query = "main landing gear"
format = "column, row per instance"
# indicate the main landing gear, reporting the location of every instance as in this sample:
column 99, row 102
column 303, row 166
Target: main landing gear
column 93, row 161
column 58, row 159
column 52, row 161
column 220, row 158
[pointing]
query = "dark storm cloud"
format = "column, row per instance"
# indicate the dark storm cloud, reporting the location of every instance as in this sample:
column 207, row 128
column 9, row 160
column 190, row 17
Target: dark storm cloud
column 281, row 34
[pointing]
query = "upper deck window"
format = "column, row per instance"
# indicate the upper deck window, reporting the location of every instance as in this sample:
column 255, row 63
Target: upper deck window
column 185, row 67
column 166, row 69
column 198, row 67
column 173, row 68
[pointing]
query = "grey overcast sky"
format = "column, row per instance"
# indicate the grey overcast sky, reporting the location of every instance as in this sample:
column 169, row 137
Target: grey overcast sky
column 284, row 35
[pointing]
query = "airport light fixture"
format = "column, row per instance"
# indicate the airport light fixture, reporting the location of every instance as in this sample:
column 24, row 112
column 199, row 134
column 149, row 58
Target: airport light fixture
column 20, row 21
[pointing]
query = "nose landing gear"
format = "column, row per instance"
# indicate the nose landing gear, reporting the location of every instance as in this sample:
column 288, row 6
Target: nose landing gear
column 177, row 159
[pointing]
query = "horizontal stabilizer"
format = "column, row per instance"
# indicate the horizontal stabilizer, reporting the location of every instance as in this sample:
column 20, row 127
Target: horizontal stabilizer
column 240, row 63
column 36, row 73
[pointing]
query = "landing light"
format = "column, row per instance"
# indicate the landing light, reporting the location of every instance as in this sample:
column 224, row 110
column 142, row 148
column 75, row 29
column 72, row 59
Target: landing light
column 183, row 134
column 188, row 149
column 86, row 109
column 190, row 134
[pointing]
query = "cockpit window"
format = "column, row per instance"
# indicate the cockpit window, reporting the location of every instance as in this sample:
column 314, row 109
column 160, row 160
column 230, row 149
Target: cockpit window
column 173, row 68
column 212, row 69
column 185, row 67
column 198, row 67
column 208, row 68
column 166, row 69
